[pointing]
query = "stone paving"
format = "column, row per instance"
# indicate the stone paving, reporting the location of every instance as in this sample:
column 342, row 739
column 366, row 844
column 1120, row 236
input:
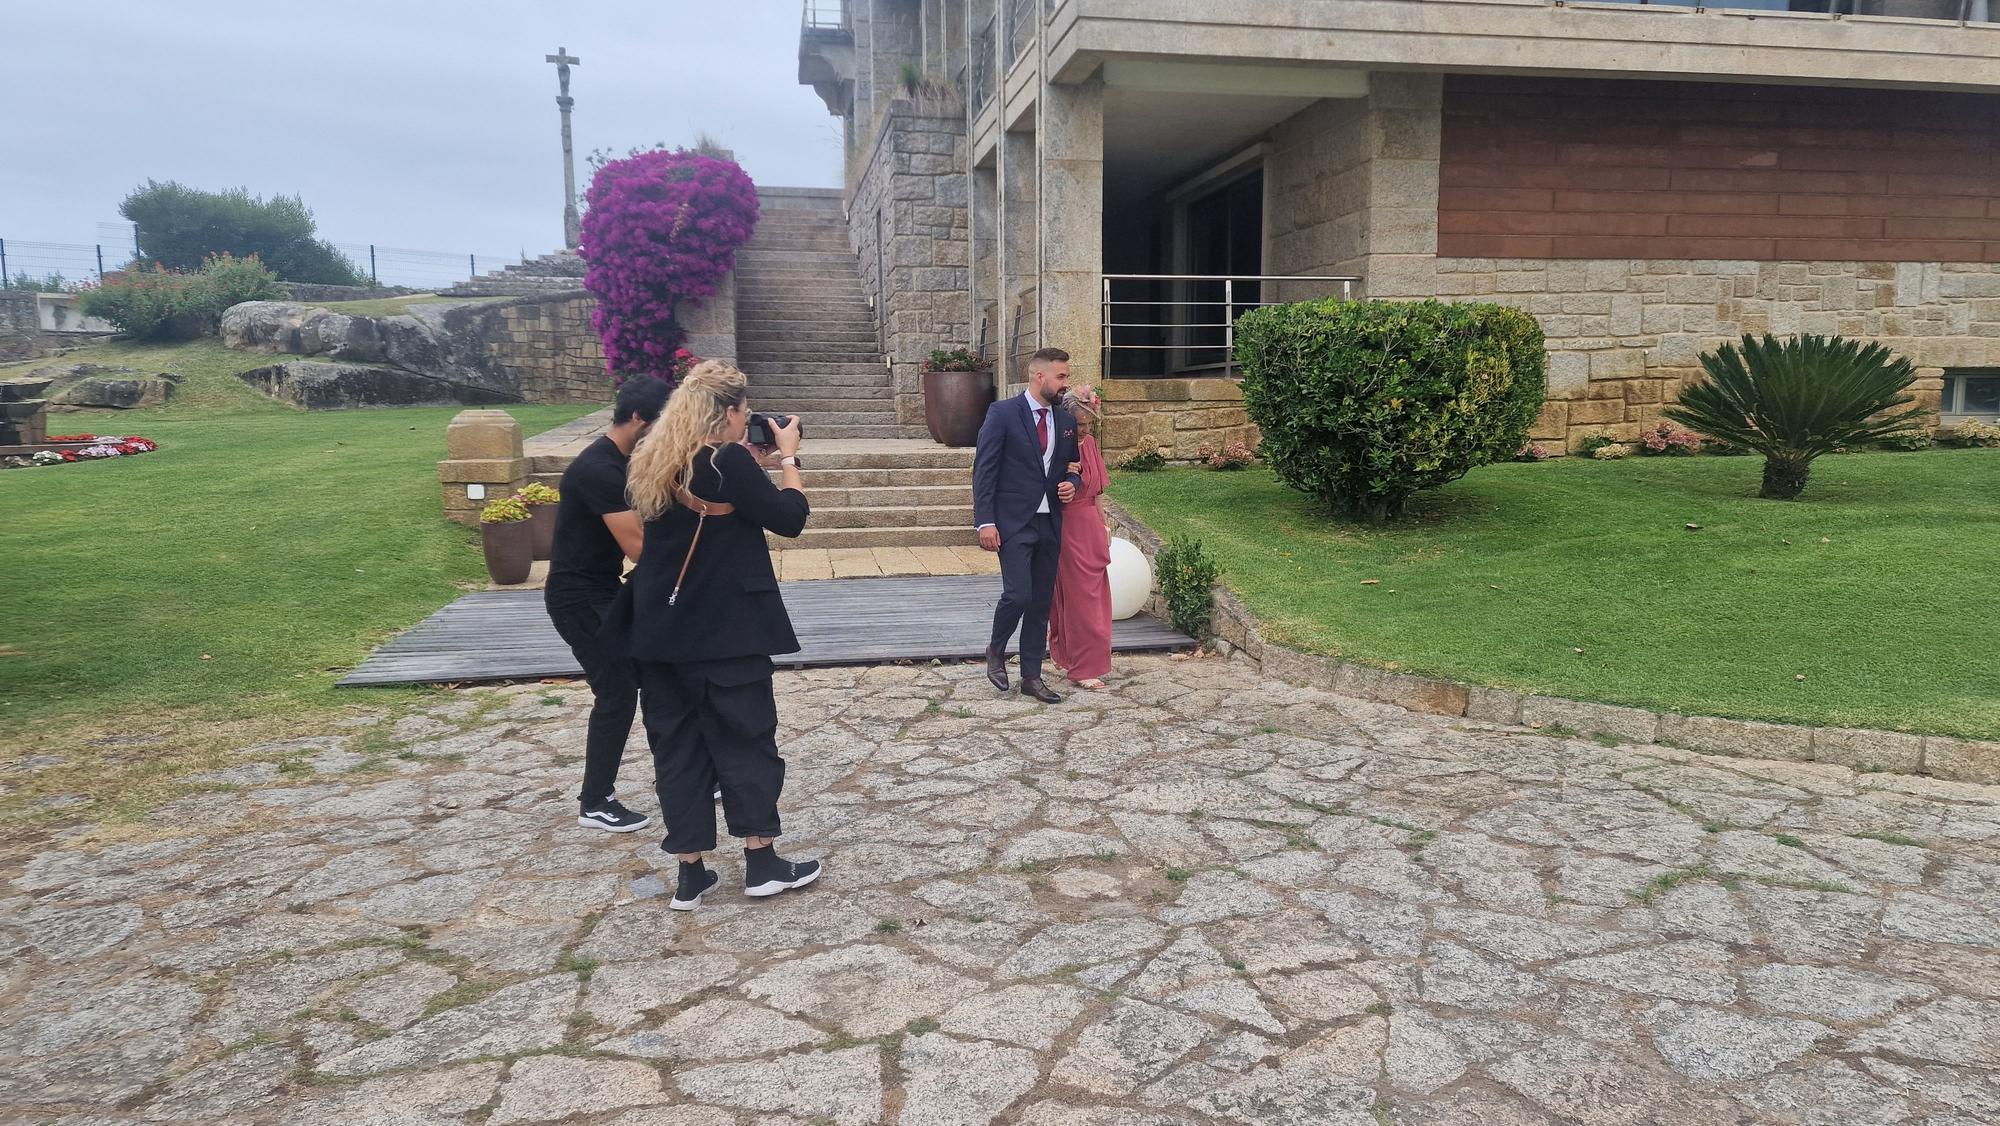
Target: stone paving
column 1205, row 897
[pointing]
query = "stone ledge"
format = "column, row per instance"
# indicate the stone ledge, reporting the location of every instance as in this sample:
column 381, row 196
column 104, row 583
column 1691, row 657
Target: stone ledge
column 1236, row 630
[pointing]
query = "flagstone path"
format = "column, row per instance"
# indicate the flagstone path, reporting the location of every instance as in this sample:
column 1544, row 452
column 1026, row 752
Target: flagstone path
column 1206, row 897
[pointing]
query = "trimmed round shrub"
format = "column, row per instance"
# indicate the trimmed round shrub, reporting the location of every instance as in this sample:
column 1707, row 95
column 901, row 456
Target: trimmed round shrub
column 159, row 304
column 662, row 230
column 1364, row 402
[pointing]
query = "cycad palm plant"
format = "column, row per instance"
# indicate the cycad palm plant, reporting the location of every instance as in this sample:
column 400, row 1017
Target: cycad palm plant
column 1793, row 400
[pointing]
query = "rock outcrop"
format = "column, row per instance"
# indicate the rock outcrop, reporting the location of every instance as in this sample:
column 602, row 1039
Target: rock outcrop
column 80, row 386
column 317, row 385
column 444, row 348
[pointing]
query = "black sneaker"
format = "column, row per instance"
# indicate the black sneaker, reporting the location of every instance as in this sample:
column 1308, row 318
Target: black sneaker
column 612, row 817
column 695, row 881
column 767, row 873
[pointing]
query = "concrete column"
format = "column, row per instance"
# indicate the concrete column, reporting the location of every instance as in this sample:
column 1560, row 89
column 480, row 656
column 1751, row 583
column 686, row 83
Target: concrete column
column 1020, row 260
column 1405, row 120
column 985, row 251
column 483, row 455
column 1072, row 223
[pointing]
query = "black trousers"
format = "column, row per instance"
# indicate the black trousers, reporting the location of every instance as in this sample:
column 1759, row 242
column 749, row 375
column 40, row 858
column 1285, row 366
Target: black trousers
column 710, row 723
column 614, row 688
column 1028, row 562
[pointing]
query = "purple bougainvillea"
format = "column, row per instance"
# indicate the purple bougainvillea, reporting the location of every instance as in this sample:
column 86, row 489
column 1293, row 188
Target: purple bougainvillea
column 662, row 229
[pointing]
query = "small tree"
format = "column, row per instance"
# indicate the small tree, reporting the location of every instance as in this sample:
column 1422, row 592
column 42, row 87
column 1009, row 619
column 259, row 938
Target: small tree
column 1793, row 400
column 662, row 230
column 180, row 227
column 1364, row 402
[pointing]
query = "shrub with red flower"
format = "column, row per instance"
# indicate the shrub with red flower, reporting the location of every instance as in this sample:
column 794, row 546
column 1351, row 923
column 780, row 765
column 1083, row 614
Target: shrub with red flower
column 662, row 230
column 100, row 446
column 1667, row 438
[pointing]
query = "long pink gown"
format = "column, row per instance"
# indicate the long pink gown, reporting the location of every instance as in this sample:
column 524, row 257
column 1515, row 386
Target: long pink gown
column 1080, row 615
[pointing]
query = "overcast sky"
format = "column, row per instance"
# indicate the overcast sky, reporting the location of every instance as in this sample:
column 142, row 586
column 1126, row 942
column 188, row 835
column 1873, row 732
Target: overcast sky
column 428, row 124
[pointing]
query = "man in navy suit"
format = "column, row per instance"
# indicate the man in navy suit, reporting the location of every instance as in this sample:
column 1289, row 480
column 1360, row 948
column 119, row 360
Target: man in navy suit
column 1020, row 480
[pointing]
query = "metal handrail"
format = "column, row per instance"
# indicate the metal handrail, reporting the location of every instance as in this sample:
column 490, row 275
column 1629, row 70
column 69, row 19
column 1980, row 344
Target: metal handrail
column 1228, row 306
column 1023, row 20
column 1956, row 11
column 983, row 47
column 827, row 15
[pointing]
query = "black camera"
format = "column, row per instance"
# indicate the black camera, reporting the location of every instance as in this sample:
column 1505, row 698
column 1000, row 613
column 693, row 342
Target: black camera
column 762, row 425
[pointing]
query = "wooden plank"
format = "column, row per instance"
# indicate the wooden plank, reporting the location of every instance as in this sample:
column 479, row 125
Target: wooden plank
column 506, row 635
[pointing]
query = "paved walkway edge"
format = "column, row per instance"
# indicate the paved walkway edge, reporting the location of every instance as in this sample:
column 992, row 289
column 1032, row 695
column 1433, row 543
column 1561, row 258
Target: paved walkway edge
column 1237, row 630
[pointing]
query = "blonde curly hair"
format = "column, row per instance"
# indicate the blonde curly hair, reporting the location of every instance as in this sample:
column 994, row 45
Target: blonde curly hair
column 664, row 460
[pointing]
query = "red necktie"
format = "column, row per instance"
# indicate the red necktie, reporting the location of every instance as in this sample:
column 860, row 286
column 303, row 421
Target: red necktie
column 1042, row 427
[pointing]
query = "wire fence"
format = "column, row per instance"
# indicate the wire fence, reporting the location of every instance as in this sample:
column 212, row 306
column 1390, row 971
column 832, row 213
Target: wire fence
column 77, row 263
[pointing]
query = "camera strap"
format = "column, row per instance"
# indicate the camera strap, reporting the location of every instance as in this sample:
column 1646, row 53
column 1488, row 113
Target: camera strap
column 703, row 510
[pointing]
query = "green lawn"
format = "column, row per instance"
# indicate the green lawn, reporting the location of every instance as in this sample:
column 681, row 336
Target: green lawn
column 1881, row 588
column 226, row 580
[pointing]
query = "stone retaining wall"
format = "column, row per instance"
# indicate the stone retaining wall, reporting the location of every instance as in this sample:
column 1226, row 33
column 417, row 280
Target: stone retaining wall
column 911, row 230
column 1174, row 416
column 1238, row 633
column 1625, row 336
column 20, row 334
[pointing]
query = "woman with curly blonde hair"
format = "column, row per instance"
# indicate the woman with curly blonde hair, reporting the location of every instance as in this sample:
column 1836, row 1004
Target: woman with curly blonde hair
column 703, row 620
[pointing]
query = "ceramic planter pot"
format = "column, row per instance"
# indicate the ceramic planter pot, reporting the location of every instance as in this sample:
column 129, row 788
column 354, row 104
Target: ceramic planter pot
column 510, row 551
column 955, row 405
column 542, row 526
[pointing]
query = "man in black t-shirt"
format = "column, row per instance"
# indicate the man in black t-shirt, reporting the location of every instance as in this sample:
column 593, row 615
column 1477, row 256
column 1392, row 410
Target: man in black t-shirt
column 596, row 531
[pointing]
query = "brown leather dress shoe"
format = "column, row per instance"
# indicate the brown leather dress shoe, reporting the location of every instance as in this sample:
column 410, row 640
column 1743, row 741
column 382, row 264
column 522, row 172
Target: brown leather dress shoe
column 996, row 668
column 1035, row 689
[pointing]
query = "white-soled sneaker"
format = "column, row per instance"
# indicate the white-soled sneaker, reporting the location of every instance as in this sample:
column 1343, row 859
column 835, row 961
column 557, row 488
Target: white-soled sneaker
column 612, row 817
column 767, row 873
column 695, row 880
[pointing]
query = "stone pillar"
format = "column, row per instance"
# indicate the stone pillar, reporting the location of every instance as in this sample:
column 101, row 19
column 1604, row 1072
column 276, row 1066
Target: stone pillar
column 1405, row 120
column 482, row 453
column 1020, row 255
column 1072, row 223
column 711, row 327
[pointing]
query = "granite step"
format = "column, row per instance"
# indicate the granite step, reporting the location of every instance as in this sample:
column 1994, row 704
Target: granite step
column 855, row 430
column 902, row 477
column 903, row 497
column 827, row 375
column 939, row 516
column 813, row 537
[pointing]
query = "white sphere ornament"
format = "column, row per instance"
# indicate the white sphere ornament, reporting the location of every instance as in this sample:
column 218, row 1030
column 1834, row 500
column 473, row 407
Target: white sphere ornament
column 1131, row 578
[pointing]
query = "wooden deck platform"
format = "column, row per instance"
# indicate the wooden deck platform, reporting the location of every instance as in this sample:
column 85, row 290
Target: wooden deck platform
column 506, row 635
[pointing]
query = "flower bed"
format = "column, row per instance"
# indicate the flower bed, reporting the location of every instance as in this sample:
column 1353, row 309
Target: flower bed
column 86, row 447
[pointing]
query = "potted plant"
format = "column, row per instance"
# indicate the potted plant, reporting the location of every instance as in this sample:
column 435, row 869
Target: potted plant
column 957, row 390
column 509, row 545
column 541, row 501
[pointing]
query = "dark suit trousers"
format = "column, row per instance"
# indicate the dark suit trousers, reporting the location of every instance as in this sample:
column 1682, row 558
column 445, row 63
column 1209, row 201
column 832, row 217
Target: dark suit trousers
column 1028, row 562
column 614, row 690
column 713, row 723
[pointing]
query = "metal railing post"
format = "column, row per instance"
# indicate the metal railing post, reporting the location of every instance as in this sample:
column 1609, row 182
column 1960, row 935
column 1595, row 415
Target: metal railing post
column 100, row 263
column 373, row 278
column 1228, row 327
column 472, row 263
column 6, row 279
column 1104, row 333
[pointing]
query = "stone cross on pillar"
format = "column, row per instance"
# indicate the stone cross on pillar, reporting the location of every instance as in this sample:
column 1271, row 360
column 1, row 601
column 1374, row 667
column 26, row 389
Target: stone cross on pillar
column 572, row 229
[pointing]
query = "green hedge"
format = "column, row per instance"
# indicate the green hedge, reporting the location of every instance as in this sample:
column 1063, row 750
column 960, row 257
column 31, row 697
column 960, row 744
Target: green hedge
column 1364, row 402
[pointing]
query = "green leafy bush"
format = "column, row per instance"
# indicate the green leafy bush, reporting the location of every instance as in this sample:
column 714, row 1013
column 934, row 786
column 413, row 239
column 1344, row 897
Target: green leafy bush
column 1187, row 581
column 506, row 510
column 1592, row 443
column 1909, row 440
column 1974, row 433
column 954, row 359
column 51, row 283
column 1364, row 402
column 1796, row 399
column 1147, row 461
column 181, row 227
column 534, row 492
column 158, row 304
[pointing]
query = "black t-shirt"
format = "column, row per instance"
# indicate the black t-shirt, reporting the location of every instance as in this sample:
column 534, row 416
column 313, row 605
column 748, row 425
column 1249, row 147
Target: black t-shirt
column 586, row 561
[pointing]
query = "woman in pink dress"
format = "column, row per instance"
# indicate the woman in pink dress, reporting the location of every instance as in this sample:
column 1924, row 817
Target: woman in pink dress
column 1080, row 615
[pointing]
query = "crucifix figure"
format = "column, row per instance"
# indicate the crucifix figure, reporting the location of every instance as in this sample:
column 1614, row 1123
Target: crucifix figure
column 571, row 228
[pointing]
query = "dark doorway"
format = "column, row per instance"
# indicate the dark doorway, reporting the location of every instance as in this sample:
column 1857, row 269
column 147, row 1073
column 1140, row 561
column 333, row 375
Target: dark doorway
column 1224, row 237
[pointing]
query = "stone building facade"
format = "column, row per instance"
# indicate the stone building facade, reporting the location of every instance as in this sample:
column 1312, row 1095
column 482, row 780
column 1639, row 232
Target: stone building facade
column 1820, row 169
column 909, row 219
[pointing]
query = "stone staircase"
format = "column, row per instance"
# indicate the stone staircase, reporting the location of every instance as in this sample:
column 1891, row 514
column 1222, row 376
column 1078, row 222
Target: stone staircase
column 561, row 272
column 806, row 336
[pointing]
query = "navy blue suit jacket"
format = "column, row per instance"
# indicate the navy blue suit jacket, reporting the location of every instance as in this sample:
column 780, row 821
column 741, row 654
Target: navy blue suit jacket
column 1008, row 483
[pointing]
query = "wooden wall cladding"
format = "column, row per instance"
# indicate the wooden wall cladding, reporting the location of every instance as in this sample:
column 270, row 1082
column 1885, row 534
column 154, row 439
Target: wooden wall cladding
column 1573, row 168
